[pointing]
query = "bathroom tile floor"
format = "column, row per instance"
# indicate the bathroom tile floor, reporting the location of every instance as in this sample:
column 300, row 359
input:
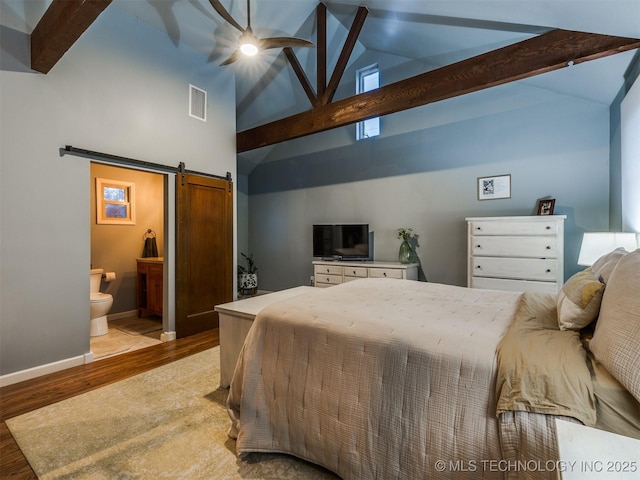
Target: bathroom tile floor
column 126, row 335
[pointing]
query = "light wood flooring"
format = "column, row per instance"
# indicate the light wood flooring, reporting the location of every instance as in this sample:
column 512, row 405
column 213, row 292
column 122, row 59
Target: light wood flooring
column 32, row 394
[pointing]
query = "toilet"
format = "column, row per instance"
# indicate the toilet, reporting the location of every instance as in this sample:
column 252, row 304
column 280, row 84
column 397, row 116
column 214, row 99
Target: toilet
column 99, row 304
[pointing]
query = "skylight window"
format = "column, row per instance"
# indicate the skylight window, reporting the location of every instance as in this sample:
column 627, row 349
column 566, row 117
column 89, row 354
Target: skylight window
column 367, row 79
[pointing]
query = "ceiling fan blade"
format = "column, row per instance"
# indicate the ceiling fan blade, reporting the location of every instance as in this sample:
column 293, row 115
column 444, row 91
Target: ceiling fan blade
column 281, row 42
column 213, row 56
column 218, row 7
column 234, row 57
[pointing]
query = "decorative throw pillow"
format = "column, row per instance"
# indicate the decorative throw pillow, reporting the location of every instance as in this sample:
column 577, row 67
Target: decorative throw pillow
column 616, row 340
column 603, row 267
column 579, row 301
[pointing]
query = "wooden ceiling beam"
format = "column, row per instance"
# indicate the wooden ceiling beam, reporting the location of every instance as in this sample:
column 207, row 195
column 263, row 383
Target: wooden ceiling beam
column 302, row 77
column 321, row 50
column 345, row 54
column 544, row 53
column 59, row 28
column 326, row 93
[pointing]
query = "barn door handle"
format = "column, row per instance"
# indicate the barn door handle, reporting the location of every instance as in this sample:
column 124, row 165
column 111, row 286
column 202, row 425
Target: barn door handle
column 181, row 169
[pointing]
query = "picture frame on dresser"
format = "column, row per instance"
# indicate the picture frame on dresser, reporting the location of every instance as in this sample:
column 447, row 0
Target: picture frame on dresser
column 493, row 188
column 545, row 206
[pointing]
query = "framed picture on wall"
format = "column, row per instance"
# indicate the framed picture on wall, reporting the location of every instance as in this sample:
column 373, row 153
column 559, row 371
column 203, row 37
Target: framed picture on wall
column 545, row 206
column 115, row 202
column 493, row 188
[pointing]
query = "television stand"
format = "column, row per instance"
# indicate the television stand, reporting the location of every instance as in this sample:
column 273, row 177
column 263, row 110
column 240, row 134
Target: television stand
column 327, row 273
column 340, row 259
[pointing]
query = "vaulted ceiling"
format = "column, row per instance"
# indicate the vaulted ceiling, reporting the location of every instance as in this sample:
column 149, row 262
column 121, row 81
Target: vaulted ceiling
column 408, row 36
column 434, row 33
column 411, row 35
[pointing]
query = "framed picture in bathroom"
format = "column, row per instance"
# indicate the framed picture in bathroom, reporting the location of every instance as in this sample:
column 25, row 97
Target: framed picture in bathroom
column 115, row 202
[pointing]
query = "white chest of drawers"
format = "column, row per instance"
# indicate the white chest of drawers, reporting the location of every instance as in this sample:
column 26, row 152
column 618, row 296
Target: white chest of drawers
column 516, row 253
column 330, row 273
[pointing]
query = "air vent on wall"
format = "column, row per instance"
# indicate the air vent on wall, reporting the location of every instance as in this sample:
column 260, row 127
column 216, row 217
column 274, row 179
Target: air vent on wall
column 197, row 103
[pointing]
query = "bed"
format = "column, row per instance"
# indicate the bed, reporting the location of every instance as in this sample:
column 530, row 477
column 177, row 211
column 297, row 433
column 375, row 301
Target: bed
column 389, row 379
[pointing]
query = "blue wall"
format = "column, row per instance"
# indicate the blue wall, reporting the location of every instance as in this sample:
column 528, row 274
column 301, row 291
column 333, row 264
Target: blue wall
column 422, row 173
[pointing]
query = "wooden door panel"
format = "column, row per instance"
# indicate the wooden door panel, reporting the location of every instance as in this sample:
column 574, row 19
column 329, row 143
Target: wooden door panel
column 204, row 252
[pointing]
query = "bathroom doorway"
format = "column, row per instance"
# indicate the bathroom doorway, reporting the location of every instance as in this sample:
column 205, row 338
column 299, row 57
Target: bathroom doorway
column 121, row 228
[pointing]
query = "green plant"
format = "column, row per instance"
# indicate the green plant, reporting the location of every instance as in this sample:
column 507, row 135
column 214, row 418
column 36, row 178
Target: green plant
column 405, row 233
column 249, row 265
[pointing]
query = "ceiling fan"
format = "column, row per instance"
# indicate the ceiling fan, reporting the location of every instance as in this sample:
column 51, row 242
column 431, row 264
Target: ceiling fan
column 248, row 43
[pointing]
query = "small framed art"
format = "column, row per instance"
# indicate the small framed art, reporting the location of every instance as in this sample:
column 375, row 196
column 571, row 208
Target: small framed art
column 545, row 206
column 493, row 188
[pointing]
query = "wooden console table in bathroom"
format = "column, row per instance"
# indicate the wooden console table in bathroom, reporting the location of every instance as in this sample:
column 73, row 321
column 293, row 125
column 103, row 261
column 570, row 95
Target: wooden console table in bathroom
column 149, row 285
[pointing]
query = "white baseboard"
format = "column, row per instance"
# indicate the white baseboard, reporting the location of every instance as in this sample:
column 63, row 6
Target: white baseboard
column 168, row 336
column 119, row 315
column 29, row 373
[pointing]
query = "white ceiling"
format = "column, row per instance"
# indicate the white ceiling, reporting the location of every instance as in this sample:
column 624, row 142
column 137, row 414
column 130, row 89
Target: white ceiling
column 432, row 33
column 435, row 32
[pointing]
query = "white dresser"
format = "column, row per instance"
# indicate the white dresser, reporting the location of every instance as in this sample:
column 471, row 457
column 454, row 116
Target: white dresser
column 328, row 273
column 516, row 253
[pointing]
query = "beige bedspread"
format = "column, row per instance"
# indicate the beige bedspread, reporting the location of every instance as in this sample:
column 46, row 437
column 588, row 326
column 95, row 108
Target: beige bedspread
column 542, row 374
column 542, row 369
column 376, row 378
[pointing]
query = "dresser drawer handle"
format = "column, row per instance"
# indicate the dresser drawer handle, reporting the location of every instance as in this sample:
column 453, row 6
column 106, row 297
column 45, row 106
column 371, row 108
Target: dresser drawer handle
column 384, row 274
column 478, row 246
column 478, row 228
column 548, row 247
column 548, row 270
column 354, row 272
column 327, row 270
column 548, row 227
column 478, row 266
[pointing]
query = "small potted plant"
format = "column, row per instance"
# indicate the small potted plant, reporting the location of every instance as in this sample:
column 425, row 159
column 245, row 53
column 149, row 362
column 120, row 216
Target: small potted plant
column 247, row 275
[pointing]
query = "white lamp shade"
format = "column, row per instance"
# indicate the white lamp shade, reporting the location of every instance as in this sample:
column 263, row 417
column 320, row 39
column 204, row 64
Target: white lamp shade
column 595, row 245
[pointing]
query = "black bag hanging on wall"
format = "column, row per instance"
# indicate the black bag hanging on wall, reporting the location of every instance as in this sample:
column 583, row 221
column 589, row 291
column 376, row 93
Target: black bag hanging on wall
column 150, row 246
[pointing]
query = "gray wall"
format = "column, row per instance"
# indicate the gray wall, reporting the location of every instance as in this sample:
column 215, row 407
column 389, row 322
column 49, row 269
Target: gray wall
column 121, row 89
column 630, row 139
column 422, row 173
column 242, row 208
column 625, row 142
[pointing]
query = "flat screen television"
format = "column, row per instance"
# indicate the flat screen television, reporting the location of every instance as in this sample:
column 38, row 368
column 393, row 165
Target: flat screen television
column 341, row 241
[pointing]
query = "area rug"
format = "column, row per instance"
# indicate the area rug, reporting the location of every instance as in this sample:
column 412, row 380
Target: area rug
column 170, row 422
column 126, row 335
column 137, row 325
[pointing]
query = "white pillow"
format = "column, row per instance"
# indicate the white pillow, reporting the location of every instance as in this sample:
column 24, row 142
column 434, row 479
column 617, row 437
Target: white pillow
column 616, row 340
column 603, row 267
column 579, row 301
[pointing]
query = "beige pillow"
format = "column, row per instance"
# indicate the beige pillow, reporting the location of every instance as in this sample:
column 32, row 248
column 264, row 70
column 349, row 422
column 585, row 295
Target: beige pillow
column 579, row 301
column 603, row 267
column 616, row 340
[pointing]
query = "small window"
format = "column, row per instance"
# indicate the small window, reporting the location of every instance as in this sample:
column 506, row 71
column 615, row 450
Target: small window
column 367, row 79
column 115, row 202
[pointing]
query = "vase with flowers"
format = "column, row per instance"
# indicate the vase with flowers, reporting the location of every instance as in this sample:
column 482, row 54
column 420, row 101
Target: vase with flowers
column 406, row 252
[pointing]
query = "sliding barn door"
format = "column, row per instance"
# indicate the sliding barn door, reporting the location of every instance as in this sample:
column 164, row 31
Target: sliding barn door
column 204, row 251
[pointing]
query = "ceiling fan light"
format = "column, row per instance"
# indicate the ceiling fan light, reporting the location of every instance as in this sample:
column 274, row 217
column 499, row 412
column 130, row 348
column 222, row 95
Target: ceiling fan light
column 249, row 49
column 249, row 43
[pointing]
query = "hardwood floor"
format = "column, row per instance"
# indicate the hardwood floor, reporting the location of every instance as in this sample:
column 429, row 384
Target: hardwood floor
column 32, row 394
